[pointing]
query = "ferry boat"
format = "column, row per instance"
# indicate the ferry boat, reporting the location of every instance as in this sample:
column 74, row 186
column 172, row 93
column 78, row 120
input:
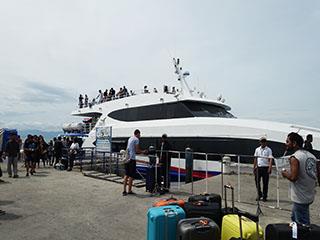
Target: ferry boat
column 190, row 120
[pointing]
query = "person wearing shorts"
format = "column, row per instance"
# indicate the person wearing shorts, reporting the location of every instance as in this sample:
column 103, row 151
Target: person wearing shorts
column 130, row 167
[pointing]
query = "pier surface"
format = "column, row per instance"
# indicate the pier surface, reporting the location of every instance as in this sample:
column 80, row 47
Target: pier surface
column 65, row 205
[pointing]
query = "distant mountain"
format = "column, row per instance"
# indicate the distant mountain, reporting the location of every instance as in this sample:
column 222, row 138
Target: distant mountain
column 48, row 135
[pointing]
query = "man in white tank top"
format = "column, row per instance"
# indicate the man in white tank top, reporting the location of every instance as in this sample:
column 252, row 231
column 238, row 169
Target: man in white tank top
column 302, row 177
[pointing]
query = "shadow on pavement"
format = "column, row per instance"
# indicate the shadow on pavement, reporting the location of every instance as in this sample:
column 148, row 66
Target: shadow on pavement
column 9, row 216
column 2, row 203
column 41, row 174
column 138, row 195
column 3, row 182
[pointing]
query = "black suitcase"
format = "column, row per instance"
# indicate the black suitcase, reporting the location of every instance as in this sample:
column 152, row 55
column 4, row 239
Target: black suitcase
column 210, row 210
column 150, row 178
column 212, row 197
column 283, row 231
column 151, row 175
column 197, row 229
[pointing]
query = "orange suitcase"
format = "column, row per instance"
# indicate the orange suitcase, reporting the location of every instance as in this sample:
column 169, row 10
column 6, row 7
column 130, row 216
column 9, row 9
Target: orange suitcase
column 169, row 201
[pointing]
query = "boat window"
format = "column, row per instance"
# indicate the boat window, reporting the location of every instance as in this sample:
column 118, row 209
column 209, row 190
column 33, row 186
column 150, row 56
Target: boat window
column 200, row 109
column 183, row 109
column 152, row 112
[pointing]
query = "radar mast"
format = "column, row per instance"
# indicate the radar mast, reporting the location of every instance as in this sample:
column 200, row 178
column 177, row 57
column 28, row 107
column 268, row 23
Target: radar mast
column 185, row 89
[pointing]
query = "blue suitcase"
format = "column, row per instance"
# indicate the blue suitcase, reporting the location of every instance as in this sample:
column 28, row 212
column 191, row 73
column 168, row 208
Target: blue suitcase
column 162, row 222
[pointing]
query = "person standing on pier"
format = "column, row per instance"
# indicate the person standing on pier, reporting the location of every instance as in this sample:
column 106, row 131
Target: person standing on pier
column 262, row 167
column 308, row 143
column 302, row 177
column 57, row 147
column 165, row 162
column 12, row 150
column 73, row 151
column 130, row 167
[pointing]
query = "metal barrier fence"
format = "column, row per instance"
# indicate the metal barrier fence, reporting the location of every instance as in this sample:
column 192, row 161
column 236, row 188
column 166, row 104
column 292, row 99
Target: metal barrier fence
column 239, row 166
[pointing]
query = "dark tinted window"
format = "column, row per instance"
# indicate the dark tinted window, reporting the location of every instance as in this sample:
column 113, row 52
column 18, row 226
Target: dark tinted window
column 200, row 109
column 152, row 112
column 170, row 110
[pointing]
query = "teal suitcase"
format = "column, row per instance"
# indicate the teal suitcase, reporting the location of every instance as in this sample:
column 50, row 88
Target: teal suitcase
column 162, row 222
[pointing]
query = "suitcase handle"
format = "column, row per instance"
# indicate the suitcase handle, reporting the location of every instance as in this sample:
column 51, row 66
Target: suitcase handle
column 202, row 225
column 171, row 198
column 169, row 212
column 228, row 186
column 252, row 217
column 200, row 203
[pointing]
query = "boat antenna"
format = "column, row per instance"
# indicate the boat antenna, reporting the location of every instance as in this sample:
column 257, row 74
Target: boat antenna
column 182, row 77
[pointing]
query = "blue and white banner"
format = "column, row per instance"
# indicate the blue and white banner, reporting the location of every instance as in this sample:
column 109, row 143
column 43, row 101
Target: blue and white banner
column 103, row 139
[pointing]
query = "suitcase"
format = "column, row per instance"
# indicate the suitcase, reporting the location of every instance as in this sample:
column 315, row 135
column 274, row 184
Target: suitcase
column 151, row 180
column 210, row 210
column 241, row 226
column 212, row 197
column 197, row 229
column 169, row 201
column 284, row 231
column 162, row 222
column 228, row 210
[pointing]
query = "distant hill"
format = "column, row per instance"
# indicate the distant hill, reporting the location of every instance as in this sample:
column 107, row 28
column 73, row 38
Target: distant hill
column 48, row 135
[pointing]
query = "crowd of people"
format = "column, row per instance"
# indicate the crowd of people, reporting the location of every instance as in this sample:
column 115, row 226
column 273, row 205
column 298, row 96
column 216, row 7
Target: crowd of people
column 111, row 94
column 105, row 96
column 35, row 150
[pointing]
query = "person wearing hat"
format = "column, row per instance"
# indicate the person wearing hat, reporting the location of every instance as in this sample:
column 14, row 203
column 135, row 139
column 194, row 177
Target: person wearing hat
column 262, row 167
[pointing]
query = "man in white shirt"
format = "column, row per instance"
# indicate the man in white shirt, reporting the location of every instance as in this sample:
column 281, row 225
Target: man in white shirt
column 74, row 148
column 262, row 167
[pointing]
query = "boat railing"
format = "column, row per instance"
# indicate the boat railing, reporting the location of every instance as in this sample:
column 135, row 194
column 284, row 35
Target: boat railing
column 98, row 101
column 234, row 169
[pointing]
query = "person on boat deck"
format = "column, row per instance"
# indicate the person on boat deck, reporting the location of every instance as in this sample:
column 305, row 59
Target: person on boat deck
column 120, row 93
column 86, row 100
column 173, row 90
column 112, row 93
column 302, row 177
column 145, row 89
column 165, row 162
column 262, row 167
column 105, row 95
column 99, row 97
column 80, row 101
column 130, row 167
column 125, row 92
column 308, row 143
column 93, row 102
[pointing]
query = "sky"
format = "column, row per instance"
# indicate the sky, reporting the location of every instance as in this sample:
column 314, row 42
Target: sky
column 262, row 56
